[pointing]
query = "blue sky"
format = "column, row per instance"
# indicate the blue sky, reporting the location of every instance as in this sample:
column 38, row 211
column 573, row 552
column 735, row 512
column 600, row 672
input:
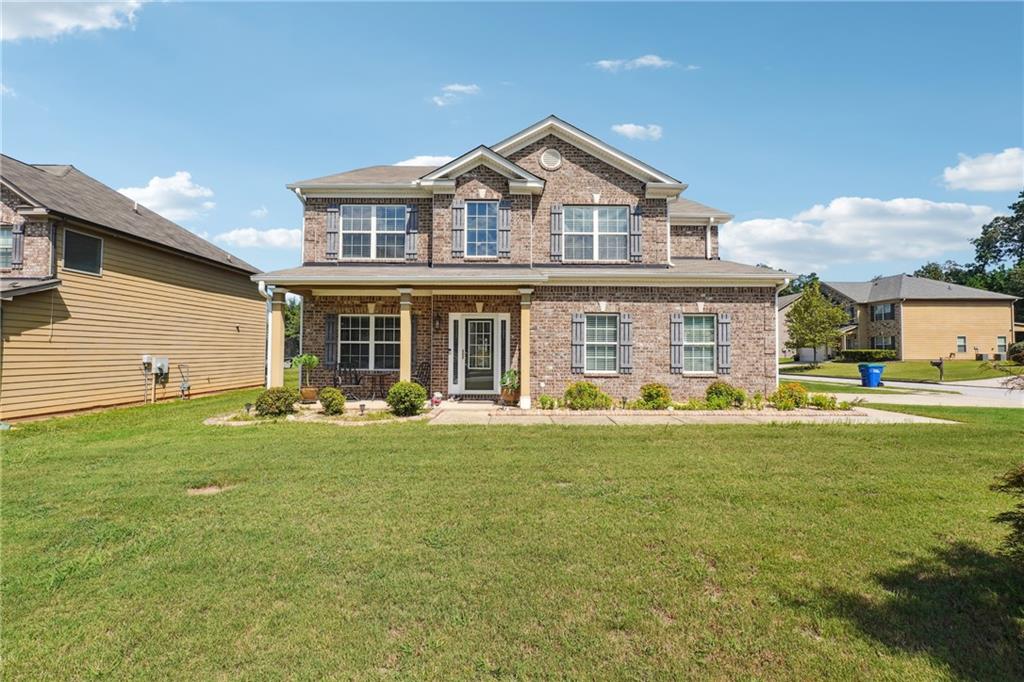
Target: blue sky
column 827, row 129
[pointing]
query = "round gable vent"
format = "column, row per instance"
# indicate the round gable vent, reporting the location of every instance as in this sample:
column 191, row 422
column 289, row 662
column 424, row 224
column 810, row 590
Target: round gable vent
column 550, row 159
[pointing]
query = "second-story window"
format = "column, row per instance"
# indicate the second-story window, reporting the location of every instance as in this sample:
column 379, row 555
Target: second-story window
column 596, row 232
column 883, row 311
column 481, row 229
column 372, row 231
column 6, row 245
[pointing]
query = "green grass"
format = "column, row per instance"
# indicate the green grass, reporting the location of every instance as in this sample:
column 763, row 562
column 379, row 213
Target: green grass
column 417, row 551
column 291, row 377
column 786, row 361
column 829, row 387
column 903, row 370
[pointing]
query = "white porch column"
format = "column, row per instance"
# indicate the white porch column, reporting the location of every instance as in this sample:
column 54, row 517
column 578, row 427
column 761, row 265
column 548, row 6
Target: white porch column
column 275, row 358
column 524, row 348
column 405, row 335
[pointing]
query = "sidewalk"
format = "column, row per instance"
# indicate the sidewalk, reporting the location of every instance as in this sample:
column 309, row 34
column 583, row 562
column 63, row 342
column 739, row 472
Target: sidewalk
column 975, row 393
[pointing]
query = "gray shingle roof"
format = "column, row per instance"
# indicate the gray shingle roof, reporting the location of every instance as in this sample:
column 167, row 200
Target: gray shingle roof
column 371, row 175
column 788, row 299
column 70, row 192
column 897, row 287
column 681, row 208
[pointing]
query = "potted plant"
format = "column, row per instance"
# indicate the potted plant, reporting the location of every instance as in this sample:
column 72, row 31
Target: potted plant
column 510, row 386
column 307, row 362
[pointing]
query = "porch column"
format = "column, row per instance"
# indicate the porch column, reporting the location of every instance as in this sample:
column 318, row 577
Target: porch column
column 275, row 340
column 405, row 335
column 524, row 348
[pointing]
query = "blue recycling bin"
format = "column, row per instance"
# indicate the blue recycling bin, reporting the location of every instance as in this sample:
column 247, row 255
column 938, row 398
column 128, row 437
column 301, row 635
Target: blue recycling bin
column 870, row 375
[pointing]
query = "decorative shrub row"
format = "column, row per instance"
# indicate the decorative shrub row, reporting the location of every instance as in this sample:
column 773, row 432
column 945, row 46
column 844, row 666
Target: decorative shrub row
column 867, row 355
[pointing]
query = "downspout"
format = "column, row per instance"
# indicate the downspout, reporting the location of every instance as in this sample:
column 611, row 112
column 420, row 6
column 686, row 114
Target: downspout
column 268, row 295
column 778, row 288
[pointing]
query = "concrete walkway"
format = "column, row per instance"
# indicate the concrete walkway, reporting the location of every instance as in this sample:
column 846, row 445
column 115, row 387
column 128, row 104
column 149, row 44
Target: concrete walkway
column 976, row 393
column 485, row 414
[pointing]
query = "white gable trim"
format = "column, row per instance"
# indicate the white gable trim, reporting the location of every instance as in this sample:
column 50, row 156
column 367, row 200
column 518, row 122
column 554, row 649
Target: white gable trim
column 475, row 157
column 552, row 125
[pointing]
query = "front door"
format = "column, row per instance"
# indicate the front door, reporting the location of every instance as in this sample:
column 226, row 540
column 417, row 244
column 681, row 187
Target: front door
column 478, row 352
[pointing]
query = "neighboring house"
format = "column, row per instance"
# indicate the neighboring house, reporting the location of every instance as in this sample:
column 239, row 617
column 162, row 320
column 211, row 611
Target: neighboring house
column 923, row 318
column 91, row 282
column 805, row 354
column 550, row 252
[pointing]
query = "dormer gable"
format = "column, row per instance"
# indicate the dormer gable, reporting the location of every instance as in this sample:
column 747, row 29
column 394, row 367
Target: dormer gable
column 520, row 180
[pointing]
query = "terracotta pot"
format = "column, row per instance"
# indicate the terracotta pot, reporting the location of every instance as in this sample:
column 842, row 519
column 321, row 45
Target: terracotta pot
column 308, row 394
column 510, row 395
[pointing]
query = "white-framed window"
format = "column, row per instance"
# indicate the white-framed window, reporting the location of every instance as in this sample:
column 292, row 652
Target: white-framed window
column 6, row 245
column 961, row 344
column 1000, row 344
column 883, row 311
column 596, row 232
column 368, row 342
column 602, row 343
column 369, row 231
column 83, row 252
column 481, row 229
column 699, row 343
column 883, row 342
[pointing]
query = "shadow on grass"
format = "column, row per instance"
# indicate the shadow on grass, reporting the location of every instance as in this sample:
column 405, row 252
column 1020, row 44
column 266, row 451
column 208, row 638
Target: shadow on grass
column 961, row 606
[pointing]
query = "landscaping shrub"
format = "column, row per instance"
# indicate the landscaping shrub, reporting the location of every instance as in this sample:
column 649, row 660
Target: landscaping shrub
column 717, row 402
column 406, row 398
column 691, row 404
column 757, row 401
column 546, row 402
column 1016, row 352
column 584, row 395
column 274, row 402
column 782, row 403
column 823, row 401
column 867, row 355
column 794, row 391
column 723, row 393
column 332, row 400
column 654, row 397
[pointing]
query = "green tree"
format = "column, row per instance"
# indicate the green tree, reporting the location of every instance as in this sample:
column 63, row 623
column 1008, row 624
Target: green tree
column 1002, row 240
column 292, row 319
column 814, row 321
column 798, row 284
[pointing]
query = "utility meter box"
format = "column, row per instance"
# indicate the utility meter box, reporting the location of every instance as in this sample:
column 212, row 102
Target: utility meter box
column 161, row 367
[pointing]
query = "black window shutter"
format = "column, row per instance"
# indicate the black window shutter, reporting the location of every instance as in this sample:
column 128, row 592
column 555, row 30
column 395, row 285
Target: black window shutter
column 17, row 246
column 579, row 339
column 625, row 343
column 504, row 228
column 724, row 343
column 412, row 230
column 675, row 324
column 556, row 232
column 636, row 228
column 332, row 233
column 458, row 228
column 330, row 340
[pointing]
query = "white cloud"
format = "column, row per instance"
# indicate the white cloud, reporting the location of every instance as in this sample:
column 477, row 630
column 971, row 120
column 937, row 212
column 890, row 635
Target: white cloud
column 175, row 197
column 259, row 213
column 988, row 172
column 425, row 160
column 692, row 67
column 53, row 19
column 250, row 237
column 6, row 91
column 855, row 229
column 453, row 92
column 633, row 131
column 647, row 61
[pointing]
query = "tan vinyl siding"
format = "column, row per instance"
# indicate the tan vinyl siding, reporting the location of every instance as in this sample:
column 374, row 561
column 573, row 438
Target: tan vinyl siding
column 930, row 328
column 80, row 346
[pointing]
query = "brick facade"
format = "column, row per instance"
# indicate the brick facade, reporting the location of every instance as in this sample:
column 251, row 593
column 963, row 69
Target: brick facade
column 38, row 246
column 314, row 244
column 689, row 241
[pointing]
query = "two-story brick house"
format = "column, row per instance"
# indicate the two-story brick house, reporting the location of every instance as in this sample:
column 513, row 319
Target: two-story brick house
column 550, row 252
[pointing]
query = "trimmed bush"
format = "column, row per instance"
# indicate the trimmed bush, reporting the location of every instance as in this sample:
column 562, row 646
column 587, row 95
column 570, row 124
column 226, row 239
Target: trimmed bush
column 757, row 401
column 867, row 355
column 584, row 395
column 275, row 402
column 654, row 397
column 1016, row 352
column 723, row 393
column 546, row 402
column 332, row 400
column 823, row 401
column 406, row 398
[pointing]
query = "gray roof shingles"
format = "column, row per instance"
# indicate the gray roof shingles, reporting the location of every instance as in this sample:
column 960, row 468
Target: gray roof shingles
column 899, row 287
column 70, row 192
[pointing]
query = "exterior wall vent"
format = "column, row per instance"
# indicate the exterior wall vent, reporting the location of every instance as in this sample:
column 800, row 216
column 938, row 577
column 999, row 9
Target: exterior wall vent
column 550, row 159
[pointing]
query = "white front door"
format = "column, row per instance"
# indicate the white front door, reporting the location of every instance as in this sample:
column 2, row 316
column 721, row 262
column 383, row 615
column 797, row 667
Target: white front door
column 478, row 352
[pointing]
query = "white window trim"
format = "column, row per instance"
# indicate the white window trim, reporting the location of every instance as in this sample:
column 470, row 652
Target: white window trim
column 372, row 343
column 6, row 226
column 64, row 253
column 882, row 317
column 960, row 336
column 1004, row 344
column 883, row 336
column 587, row 344
column 713, row 343
column 497, row 228
column 595, row 234
column 373, row 232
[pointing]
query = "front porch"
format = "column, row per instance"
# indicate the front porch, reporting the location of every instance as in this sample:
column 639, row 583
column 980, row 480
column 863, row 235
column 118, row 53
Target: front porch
column 456, row 342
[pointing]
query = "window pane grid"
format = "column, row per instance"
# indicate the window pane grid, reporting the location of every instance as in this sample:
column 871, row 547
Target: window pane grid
column 602, row 337
column 362, row 338
column 699, row 343
column 481, row 228
column 372, row 231
column 595, row 232
column 6, row 246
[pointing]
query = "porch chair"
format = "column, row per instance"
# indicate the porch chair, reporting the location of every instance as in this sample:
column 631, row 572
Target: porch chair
column 422, row 375
column 347, row 380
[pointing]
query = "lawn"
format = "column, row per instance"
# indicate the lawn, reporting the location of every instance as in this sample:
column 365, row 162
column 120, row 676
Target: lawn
column 417, row 551
column 831, row 387
column 903, row 370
